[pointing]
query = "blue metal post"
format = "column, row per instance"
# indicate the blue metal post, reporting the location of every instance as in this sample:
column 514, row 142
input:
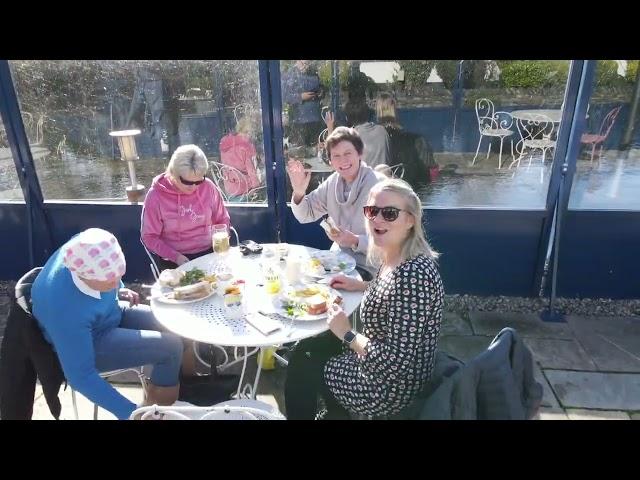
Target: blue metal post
column 277, row 138
column 567, row 171
column 562, row 141
column 268, row 141
column 38, row 231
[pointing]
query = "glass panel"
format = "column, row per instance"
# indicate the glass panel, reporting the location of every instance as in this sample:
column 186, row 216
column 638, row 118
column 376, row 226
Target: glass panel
column 9, row 183
column 438, row 141
column 69, row 108
column 608, row 167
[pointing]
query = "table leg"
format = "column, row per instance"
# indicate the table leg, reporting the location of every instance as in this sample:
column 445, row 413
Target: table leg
column 254, row 392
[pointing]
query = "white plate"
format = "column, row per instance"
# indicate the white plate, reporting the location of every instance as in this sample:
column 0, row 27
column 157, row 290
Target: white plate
column 329, row 260
column 172, row 301
column 279, row 309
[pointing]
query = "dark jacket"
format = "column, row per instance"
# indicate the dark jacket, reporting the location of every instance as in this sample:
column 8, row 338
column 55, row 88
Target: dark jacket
column 413, row 152
column 501, row 380
column 25, row 356
column 498, row 384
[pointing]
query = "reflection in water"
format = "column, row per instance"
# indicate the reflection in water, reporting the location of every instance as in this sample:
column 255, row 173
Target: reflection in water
column 75, row 177
column 459, row 186
column 612, row 183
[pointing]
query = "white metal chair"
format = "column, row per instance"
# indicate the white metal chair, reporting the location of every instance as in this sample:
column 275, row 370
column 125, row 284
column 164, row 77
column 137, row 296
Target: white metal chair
column 492, row 124
column 257, row 195
column 138, row 371
column 397, row 171
column 244, row 409
column 241, row 110
column 224, row 175
column 323, row 136
column 536, row 132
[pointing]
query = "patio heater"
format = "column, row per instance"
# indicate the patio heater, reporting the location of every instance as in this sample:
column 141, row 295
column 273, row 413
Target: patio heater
column 129, row 154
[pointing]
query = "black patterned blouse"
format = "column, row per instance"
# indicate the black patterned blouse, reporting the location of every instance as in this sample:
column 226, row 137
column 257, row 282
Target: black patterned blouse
column 401, row 313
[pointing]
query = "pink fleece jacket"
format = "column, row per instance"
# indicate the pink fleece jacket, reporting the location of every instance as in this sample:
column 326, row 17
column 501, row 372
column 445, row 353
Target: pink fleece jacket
column 174, row 222
column 236, row 150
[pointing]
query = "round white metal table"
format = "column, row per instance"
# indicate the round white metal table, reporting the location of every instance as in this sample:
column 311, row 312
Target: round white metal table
column 552, row 114
column 205, row 321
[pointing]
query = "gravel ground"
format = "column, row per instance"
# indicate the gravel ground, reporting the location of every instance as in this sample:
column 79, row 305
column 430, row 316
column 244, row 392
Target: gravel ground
column 466, row 303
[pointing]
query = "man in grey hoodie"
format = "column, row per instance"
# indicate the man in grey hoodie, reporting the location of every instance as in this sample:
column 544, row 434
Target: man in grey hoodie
column 342, row 196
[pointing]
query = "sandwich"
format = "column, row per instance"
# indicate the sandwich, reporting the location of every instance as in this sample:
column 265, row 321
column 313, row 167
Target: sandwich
column 192, row 292
column 315, row 305
column 318, row 304
column 330, row 226
column 170, row 278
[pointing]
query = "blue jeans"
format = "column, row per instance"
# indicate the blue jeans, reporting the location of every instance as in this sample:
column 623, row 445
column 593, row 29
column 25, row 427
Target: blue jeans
column 140, row 340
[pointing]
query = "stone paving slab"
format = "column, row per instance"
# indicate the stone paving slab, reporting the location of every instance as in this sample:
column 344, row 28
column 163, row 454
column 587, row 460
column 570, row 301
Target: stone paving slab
column 454, row 324
column 582, row 414
column 612, row 342
column 560, row 354
column 547, row 413
column 606, row 391
column 85, row 407
column 528, row 325
column 548, row 397
column 464, row 347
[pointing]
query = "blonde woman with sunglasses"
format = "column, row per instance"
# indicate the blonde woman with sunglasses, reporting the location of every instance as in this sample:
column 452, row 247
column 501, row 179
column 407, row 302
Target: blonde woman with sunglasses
column 380, row 370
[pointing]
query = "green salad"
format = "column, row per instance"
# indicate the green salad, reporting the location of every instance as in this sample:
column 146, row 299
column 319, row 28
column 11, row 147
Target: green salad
column 194, row 275
column 293, row 309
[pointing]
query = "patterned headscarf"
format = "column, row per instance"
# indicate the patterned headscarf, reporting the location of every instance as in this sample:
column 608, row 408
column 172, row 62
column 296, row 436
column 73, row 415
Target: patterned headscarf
column 95, row 254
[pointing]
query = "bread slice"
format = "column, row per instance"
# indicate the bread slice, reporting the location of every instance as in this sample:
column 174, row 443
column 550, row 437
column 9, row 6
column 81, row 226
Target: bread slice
column 330, row 226
column 316, row 304
column 192, row 292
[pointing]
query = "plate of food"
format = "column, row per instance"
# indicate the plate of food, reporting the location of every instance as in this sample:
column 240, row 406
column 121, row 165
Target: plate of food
column 178, row 288
column 324, row 263
column 307, row 302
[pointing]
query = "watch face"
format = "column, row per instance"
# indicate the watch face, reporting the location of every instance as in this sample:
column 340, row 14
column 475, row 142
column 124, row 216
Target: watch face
column 349, row 337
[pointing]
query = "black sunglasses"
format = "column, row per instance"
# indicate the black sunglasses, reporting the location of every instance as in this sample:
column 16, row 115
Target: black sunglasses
column 189, row 182
column 390, row 214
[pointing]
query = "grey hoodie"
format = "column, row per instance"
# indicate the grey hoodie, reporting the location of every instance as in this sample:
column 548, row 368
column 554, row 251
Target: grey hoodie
column 376, row 143
column 326, row 199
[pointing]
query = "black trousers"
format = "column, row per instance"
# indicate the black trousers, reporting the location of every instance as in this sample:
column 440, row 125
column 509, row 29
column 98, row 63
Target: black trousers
column 305, row 379
column 306, row 133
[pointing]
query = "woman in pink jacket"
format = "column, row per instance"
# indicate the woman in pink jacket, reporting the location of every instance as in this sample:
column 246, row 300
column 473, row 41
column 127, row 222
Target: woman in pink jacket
column 237, row 151
column 180, row 208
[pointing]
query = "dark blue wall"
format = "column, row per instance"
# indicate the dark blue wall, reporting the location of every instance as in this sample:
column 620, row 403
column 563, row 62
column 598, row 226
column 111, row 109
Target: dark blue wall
column 600, row 255
column 122, row 220
column 483, row 252
column 14, row 253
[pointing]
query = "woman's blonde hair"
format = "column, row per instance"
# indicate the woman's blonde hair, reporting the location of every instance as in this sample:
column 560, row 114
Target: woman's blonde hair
column 386, row 110
column 187, row 158
column 416, row 243
column 250, row 124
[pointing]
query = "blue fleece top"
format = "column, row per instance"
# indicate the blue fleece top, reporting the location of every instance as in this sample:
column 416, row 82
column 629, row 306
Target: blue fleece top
column 72, row 321
column 295, row 83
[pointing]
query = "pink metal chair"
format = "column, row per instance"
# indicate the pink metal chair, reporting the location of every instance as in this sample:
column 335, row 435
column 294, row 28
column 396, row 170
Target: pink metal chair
column 595, row 139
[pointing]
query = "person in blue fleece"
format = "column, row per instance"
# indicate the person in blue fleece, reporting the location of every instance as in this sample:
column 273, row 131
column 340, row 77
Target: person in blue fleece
column 76, row 302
